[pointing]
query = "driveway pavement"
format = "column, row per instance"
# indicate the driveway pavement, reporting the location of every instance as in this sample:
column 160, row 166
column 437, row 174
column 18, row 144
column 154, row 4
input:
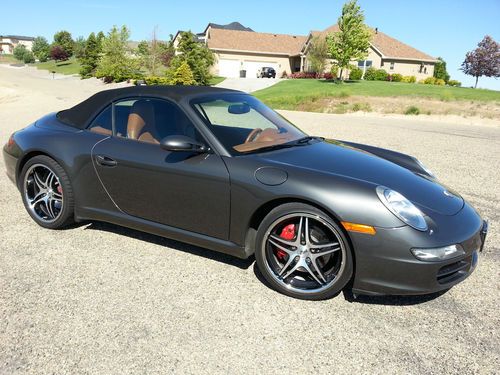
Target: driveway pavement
column 247, row 84
column 100, row 299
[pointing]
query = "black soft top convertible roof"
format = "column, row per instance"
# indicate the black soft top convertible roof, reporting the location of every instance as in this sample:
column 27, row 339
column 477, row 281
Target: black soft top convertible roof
column 81, row 114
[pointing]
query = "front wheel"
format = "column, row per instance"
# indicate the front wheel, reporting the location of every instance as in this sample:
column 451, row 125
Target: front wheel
column 303, row 253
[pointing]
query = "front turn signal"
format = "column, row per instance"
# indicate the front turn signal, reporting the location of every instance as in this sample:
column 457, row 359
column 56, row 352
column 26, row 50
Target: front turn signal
column 360, row 228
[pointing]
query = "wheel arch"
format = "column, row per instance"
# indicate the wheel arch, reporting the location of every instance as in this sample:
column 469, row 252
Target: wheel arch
column 27, row 156
column 260, row 213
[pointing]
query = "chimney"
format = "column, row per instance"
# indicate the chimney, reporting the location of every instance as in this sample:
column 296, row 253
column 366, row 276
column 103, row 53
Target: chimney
column 376, row 30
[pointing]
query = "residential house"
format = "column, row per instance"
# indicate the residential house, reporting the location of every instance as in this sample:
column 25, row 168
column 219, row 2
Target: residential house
column 385, row 53
column 9, row 42
column 239, row 48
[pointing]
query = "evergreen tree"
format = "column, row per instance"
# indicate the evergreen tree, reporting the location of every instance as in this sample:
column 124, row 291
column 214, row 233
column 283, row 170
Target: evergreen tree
column 183, row 75
column 196, row 55
column 90, row 57
column 115, row 64
column 440, row 70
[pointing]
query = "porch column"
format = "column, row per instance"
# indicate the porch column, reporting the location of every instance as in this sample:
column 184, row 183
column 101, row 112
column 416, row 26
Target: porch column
column 302, row 62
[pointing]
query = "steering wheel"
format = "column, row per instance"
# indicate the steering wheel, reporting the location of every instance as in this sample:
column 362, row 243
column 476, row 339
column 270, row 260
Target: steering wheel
column 254, row 134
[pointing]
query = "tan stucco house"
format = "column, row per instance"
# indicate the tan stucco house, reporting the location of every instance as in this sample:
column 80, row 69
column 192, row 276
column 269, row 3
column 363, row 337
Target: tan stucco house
column 238, row 48
column 9, row 42
column 385, row 53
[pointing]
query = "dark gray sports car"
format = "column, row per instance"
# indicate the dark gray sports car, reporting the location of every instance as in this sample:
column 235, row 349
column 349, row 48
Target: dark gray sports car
column 218, row 169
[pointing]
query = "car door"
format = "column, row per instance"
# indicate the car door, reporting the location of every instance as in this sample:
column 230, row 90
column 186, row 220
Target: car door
column 180, row 189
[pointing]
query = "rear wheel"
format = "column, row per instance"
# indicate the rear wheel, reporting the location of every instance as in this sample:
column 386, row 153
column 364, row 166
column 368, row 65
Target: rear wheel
column 303, row 253
column 47, row 193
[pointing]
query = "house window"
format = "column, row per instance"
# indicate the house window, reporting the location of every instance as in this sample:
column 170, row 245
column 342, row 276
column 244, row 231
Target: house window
column 364, row 63
column 392, row 66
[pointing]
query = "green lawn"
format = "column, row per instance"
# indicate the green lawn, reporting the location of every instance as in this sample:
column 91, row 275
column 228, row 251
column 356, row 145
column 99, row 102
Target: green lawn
column 216, row 80
column 8, row 59
column 291, row 93
column 71, row 66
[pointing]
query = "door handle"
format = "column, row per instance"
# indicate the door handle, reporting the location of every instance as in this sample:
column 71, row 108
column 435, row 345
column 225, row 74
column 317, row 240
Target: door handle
column 105, row 161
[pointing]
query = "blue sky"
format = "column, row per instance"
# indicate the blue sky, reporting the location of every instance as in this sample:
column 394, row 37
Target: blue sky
column 438, row 27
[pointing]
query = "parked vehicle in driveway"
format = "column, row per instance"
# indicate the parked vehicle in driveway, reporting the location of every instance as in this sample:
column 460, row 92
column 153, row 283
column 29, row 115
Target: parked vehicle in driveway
column 218, row 169
column 266, row 72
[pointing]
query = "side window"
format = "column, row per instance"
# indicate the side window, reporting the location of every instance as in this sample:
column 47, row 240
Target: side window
column 102, row 123
column 151, row 120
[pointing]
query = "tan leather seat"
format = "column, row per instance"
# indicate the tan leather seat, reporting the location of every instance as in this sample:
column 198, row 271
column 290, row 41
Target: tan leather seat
column 141, row 122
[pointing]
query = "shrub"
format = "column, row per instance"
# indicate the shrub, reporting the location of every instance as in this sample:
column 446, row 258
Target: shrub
column 327, row 76
column 365, row 107
column 28, row 57
column 380, row 75
column 370, row 74
column 19, row 52
column 154, row 80
column 396, row 77
column 454, row 82
column 412, row 110
column 409, row 79
column 355, row 73
column 430, row 81
column 334, row 71
column 284, row 75
column 439, row 82
column 57, row 53
column 303, row 75
column 183, row 75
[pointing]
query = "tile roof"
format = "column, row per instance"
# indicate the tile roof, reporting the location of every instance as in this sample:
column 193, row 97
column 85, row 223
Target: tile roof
column 221, row 39
column 388, row 46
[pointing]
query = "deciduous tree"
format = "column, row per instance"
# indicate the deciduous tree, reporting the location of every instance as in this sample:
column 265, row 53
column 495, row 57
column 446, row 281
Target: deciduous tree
column 440, row 70
column 41, row 48
column 484, row 60
column 352, row 40
column 65, row 41
column 318, row 54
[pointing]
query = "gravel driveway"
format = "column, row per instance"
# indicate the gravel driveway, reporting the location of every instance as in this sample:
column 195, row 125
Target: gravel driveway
column 100, row 299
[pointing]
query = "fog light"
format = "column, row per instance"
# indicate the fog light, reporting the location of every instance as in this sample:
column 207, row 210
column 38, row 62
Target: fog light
column 438, row 253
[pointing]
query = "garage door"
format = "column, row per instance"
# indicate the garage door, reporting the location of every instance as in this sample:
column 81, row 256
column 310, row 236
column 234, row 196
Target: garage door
column 252, row 67
column 229, row 68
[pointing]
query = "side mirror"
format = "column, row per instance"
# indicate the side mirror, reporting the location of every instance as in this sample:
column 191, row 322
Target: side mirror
column 238, row 109
column 182, row 143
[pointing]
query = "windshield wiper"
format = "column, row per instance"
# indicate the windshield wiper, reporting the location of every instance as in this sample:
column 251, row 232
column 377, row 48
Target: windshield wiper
column 299, row 142
column 307, row 139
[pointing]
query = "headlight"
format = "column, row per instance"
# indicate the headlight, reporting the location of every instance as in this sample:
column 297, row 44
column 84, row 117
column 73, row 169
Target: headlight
column 427, row 170
column 402, row 208
column 439, row 253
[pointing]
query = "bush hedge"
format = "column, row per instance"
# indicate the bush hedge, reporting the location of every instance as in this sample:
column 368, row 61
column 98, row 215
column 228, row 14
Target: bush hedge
column 355, row 73
column 454, row 82
column 409, row 79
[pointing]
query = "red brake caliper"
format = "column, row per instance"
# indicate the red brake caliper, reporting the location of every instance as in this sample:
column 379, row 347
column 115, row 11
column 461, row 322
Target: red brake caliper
column 288, row 233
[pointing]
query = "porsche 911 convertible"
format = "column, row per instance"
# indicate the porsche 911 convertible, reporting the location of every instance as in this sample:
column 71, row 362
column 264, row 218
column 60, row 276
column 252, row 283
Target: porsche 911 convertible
column 218, row 169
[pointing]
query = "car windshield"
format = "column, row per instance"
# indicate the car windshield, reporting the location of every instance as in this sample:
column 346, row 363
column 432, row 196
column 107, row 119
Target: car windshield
column 243, row 124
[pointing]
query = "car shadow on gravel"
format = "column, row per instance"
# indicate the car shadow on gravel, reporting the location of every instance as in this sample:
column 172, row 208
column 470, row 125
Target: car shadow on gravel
column 371, row 300
column 176, row 245
column 391, row 300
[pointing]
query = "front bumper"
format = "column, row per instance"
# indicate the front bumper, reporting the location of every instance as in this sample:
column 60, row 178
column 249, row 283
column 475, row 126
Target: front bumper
column 385, row 265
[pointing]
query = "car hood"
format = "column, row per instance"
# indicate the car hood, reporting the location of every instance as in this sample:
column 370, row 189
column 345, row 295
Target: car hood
column 339, row 159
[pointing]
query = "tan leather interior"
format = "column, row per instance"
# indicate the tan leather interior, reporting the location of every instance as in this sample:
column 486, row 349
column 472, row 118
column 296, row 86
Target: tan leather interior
column 100, row 130
column 140, row 122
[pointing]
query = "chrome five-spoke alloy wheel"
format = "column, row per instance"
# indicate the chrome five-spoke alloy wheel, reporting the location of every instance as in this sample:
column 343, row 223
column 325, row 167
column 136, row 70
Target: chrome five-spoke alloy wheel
column 43, row 193
column 304, row 253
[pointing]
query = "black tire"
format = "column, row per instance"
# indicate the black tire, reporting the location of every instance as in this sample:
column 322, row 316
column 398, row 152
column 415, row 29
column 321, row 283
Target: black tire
column 65, row 215
column 263, row 249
